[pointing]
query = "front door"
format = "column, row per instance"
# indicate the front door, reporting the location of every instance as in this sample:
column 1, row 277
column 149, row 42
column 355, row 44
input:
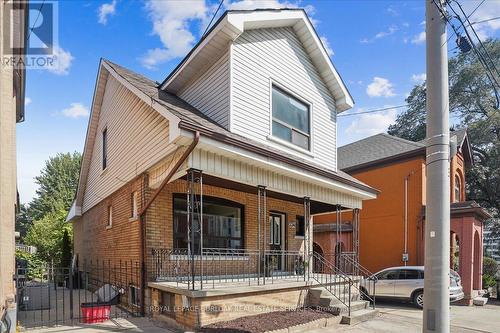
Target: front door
column 277, row 240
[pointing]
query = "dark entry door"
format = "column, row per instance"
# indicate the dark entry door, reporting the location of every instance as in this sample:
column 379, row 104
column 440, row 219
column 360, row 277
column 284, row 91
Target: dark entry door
column 276, row 240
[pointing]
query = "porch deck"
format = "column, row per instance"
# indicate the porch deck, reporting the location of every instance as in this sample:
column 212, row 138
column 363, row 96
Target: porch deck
column 233, row 285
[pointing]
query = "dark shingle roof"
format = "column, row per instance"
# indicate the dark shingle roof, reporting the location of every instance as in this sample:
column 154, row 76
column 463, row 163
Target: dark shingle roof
column 192, row 116
column 374, row 148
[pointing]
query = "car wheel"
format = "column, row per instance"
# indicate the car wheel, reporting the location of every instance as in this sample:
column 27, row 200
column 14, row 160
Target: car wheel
column 418, row 299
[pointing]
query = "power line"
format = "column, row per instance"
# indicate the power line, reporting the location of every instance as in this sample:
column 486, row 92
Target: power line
column 213, row 17
column 486, row 20
column 373, row 111
column 477, row 7
column 36, row 20
column 477, row 36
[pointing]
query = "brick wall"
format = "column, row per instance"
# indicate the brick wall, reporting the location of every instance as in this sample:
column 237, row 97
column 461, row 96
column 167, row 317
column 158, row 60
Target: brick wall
column 94, row 240
column 121, row 242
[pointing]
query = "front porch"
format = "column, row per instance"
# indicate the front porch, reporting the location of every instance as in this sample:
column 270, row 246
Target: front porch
column 234, row 229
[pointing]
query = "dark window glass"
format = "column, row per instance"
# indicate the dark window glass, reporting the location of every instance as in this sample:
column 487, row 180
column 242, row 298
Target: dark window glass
column 409, row 274
column 222, row 224
column 275, row 229
column 290, row 119
column 388, row 275
column 458, row 189
column 300, row 228
column 104, row 148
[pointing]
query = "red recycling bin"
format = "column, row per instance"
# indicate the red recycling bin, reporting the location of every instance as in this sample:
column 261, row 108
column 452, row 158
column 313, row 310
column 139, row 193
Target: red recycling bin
column 95, row 312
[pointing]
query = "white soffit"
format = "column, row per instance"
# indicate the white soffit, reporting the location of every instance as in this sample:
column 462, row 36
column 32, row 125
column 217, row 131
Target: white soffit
column 211, row 48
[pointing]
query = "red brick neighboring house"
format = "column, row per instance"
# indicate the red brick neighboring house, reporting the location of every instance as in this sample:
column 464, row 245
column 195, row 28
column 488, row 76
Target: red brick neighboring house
column 391, row 229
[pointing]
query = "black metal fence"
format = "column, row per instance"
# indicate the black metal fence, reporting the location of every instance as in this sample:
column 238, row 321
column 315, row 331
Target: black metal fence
column 218, row 268
column 91, row 292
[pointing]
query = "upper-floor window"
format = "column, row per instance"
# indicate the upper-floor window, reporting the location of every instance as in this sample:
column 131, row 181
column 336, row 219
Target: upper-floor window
column 104, row 148
column 133, row 204
column 110, row 217
column 458, row 189
column 291, row 119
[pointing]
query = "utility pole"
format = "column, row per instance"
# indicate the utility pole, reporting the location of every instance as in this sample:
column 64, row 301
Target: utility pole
column 437, row 220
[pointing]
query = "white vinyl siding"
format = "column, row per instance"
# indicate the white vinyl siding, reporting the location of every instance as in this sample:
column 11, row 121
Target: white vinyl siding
column 244, row 172
column 137, row 138
column 209, row 93
column 262, row 57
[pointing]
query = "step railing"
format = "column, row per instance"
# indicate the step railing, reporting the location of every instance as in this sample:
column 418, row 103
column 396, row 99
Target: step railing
column 332, row 279
column 350, row 265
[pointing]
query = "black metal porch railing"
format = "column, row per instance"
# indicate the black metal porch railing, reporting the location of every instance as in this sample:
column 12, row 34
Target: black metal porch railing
column 349, row 264
column 331, row 278
column 220, row 267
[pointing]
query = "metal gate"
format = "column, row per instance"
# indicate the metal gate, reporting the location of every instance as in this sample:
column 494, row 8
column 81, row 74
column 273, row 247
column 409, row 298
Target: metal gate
column 92, row 292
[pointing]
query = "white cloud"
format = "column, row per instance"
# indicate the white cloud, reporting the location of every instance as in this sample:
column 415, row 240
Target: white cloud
column 392, row 11
column 61, row 61
column 487, row 10
column 419, row 39
column 327, row 46
column 106, row 10
column 380, row 87
column 371, row 123
column 418, row 78
column 382, row 34
column 76, row 110
column 27, row 101
column 172, row 22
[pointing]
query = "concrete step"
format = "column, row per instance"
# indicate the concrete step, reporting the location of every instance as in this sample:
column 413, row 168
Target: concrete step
column 359, row 316
column 330, row 300
column 480, row 301
column 338, row 309
column 315, row 294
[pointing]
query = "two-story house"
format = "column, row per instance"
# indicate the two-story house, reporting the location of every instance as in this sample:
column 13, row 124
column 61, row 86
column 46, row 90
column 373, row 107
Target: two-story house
column 211, row 178
column 392, row 226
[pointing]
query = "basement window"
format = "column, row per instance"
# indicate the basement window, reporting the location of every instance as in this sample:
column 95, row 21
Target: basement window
column 290, row 119
column 134, row 295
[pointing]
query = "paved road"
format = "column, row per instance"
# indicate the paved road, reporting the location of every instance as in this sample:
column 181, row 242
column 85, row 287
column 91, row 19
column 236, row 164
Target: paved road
column 397, row 317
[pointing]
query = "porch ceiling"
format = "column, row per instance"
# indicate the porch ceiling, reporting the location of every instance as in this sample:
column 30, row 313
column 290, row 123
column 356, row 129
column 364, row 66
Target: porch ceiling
column 243, row 167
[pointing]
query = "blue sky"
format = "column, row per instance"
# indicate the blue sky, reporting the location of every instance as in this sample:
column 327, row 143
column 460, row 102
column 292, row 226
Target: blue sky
column 377, row 46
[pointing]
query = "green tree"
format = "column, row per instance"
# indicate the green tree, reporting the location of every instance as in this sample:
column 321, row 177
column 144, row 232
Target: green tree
column 47, row 235
column 57, row 185
column 473, row 103
column 23, row 220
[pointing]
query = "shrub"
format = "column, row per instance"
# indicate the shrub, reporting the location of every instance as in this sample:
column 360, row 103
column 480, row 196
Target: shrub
column 490, row 266
column 489, row 281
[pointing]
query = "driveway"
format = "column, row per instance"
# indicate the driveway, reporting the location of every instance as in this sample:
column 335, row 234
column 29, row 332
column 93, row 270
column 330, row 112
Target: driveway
column 398, row 317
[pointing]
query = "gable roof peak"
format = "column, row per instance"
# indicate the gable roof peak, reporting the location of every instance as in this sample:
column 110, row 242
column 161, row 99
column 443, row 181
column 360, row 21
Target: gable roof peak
column 215, row 43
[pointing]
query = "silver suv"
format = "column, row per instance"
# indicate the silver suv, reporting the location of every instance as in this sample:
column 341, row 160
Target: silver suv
column 407, row 283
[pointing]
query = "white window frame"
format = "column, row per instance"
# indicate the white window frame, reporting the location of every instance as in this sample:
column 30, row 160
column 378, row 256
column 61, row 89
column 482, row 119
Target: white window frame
column 135, row 207
column 300, row 98
column 109, row 214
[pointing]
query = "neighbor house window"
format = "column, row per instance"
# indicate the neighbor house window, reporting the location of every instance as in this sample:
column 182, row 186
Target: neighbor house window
column 300, row 228
column 458, row 189
column 291, row 119
column 222, row 224
column 104, row 148
column 110, row 217
column 133, row 204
